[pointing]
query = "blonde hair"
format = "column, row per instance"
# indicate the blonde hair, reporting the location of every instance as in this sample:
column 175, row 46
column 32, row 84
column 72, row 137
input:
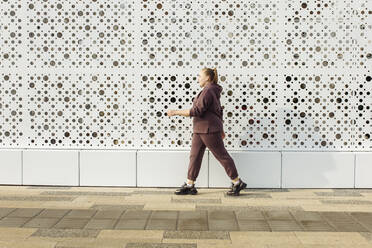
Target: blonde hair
column 212, row 73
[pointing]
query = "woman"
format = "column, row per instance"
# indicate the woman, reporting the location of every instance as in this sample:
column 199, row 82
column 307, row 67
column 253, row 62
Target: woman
column 208, row 132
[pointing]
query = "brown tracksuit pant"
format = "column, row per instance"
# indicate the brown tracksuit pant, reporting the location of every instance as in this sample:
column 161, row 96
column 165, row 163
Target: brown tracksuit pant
column 215, row 144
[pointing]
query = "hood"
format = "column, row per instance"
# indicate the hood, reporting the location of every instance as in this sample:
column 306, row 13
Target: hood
column 216, row 88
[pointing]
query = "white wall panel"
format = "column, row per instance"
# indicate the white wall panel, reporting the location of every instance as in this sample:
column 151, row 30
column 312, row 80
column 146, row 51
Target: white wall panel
column 317, row 170
column 10, row 167
column 363, row 170
column 50, row 167
column 107, row 168
column 257, row 169
column 167, row 169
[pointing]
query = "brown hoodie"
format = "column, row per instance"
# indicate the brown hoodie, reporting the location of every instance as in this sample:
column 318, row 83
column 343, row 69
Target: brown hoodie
column 207, row 110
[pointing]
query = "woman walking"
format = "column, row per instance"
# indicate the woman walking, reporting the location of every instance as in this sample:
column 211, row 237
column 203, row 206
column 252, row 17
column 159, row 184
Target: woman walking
column 208, row 132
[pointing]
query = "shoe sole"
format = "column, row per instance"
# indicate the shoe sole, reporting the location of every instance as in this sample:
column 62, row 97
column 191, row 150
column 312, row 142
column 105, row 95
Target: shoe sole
column 186, row 193
column 237, row 193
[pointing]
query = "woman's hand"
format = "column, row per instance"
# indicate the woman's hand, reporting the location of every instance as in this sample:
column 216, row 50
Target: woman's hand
column 223, row 134
column 171, row 112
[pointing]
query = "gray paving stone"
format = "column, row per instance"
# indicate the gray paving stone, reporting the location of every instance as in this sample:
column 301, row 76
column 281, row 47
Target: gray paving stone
column 336, row 216
column 78, row 193
column 160, row 245
column 196, row 235
column 53, row 213
column 108, row 214
column 364, row 218
column 193, row 220
column 71, row 223
column 164, row 214
column 277, row 214
column 5, row 211
column 25, row 212
column 162, row 220
column 116, row 207
column 161, row 224
column 73, row 233
column 316, row 226
column 222, row 220
column 131, row 224
column 193, row 200
column 339, row 193
column 342, row 222
column 100, row 224
column 136, row 214
column 41, row 222
column 81, row 213
column 361, row 215
column 249, row 215
column 306, row 215
column 352, row 202
column 253, row 225
column 348, row 227
column 284, row 225
column 13, row 221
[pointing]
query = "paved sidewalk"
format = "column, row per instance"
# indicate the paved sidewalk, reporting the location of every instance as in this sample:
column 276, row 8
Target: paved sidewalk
column 71, row 217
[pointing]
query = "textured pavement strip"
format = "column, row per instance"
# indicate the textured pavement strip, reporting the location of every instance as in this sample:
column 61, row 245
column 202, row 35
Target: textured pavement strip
column 212, row 219
column 211, row 215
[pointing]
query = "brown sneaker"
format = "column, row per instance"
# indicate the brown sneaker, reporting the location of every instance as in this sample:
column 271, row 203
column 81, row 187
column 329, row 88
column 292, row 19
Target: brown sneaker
column 235, row 189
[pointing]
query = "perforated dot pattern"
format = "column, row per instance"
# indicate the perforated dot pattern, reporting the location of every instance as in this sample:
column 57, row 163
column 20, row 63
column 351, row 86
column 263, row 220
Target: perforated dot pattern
column 296, row 75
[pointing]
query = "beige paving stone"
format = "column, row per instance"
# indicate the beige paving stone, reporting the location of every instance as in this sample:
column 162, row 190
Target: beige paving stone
column 309, row 190
column 15, row 233
column 25, row 204
column 100, row 200
column 92, row 243
column 280, row 202
column 169, row 206
column 206, row 243
column 27, row 244
column 14, row 192
column 197, row 196
column 335, row 246
column 60, row 239
column 180, row 241
column 264, row 238
column 337, row 207
column 72, row 205
column 331, row 238
column 149, row 235
column 199, row 241
column 242, row 244
column 281, row 195
column 148, row 197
